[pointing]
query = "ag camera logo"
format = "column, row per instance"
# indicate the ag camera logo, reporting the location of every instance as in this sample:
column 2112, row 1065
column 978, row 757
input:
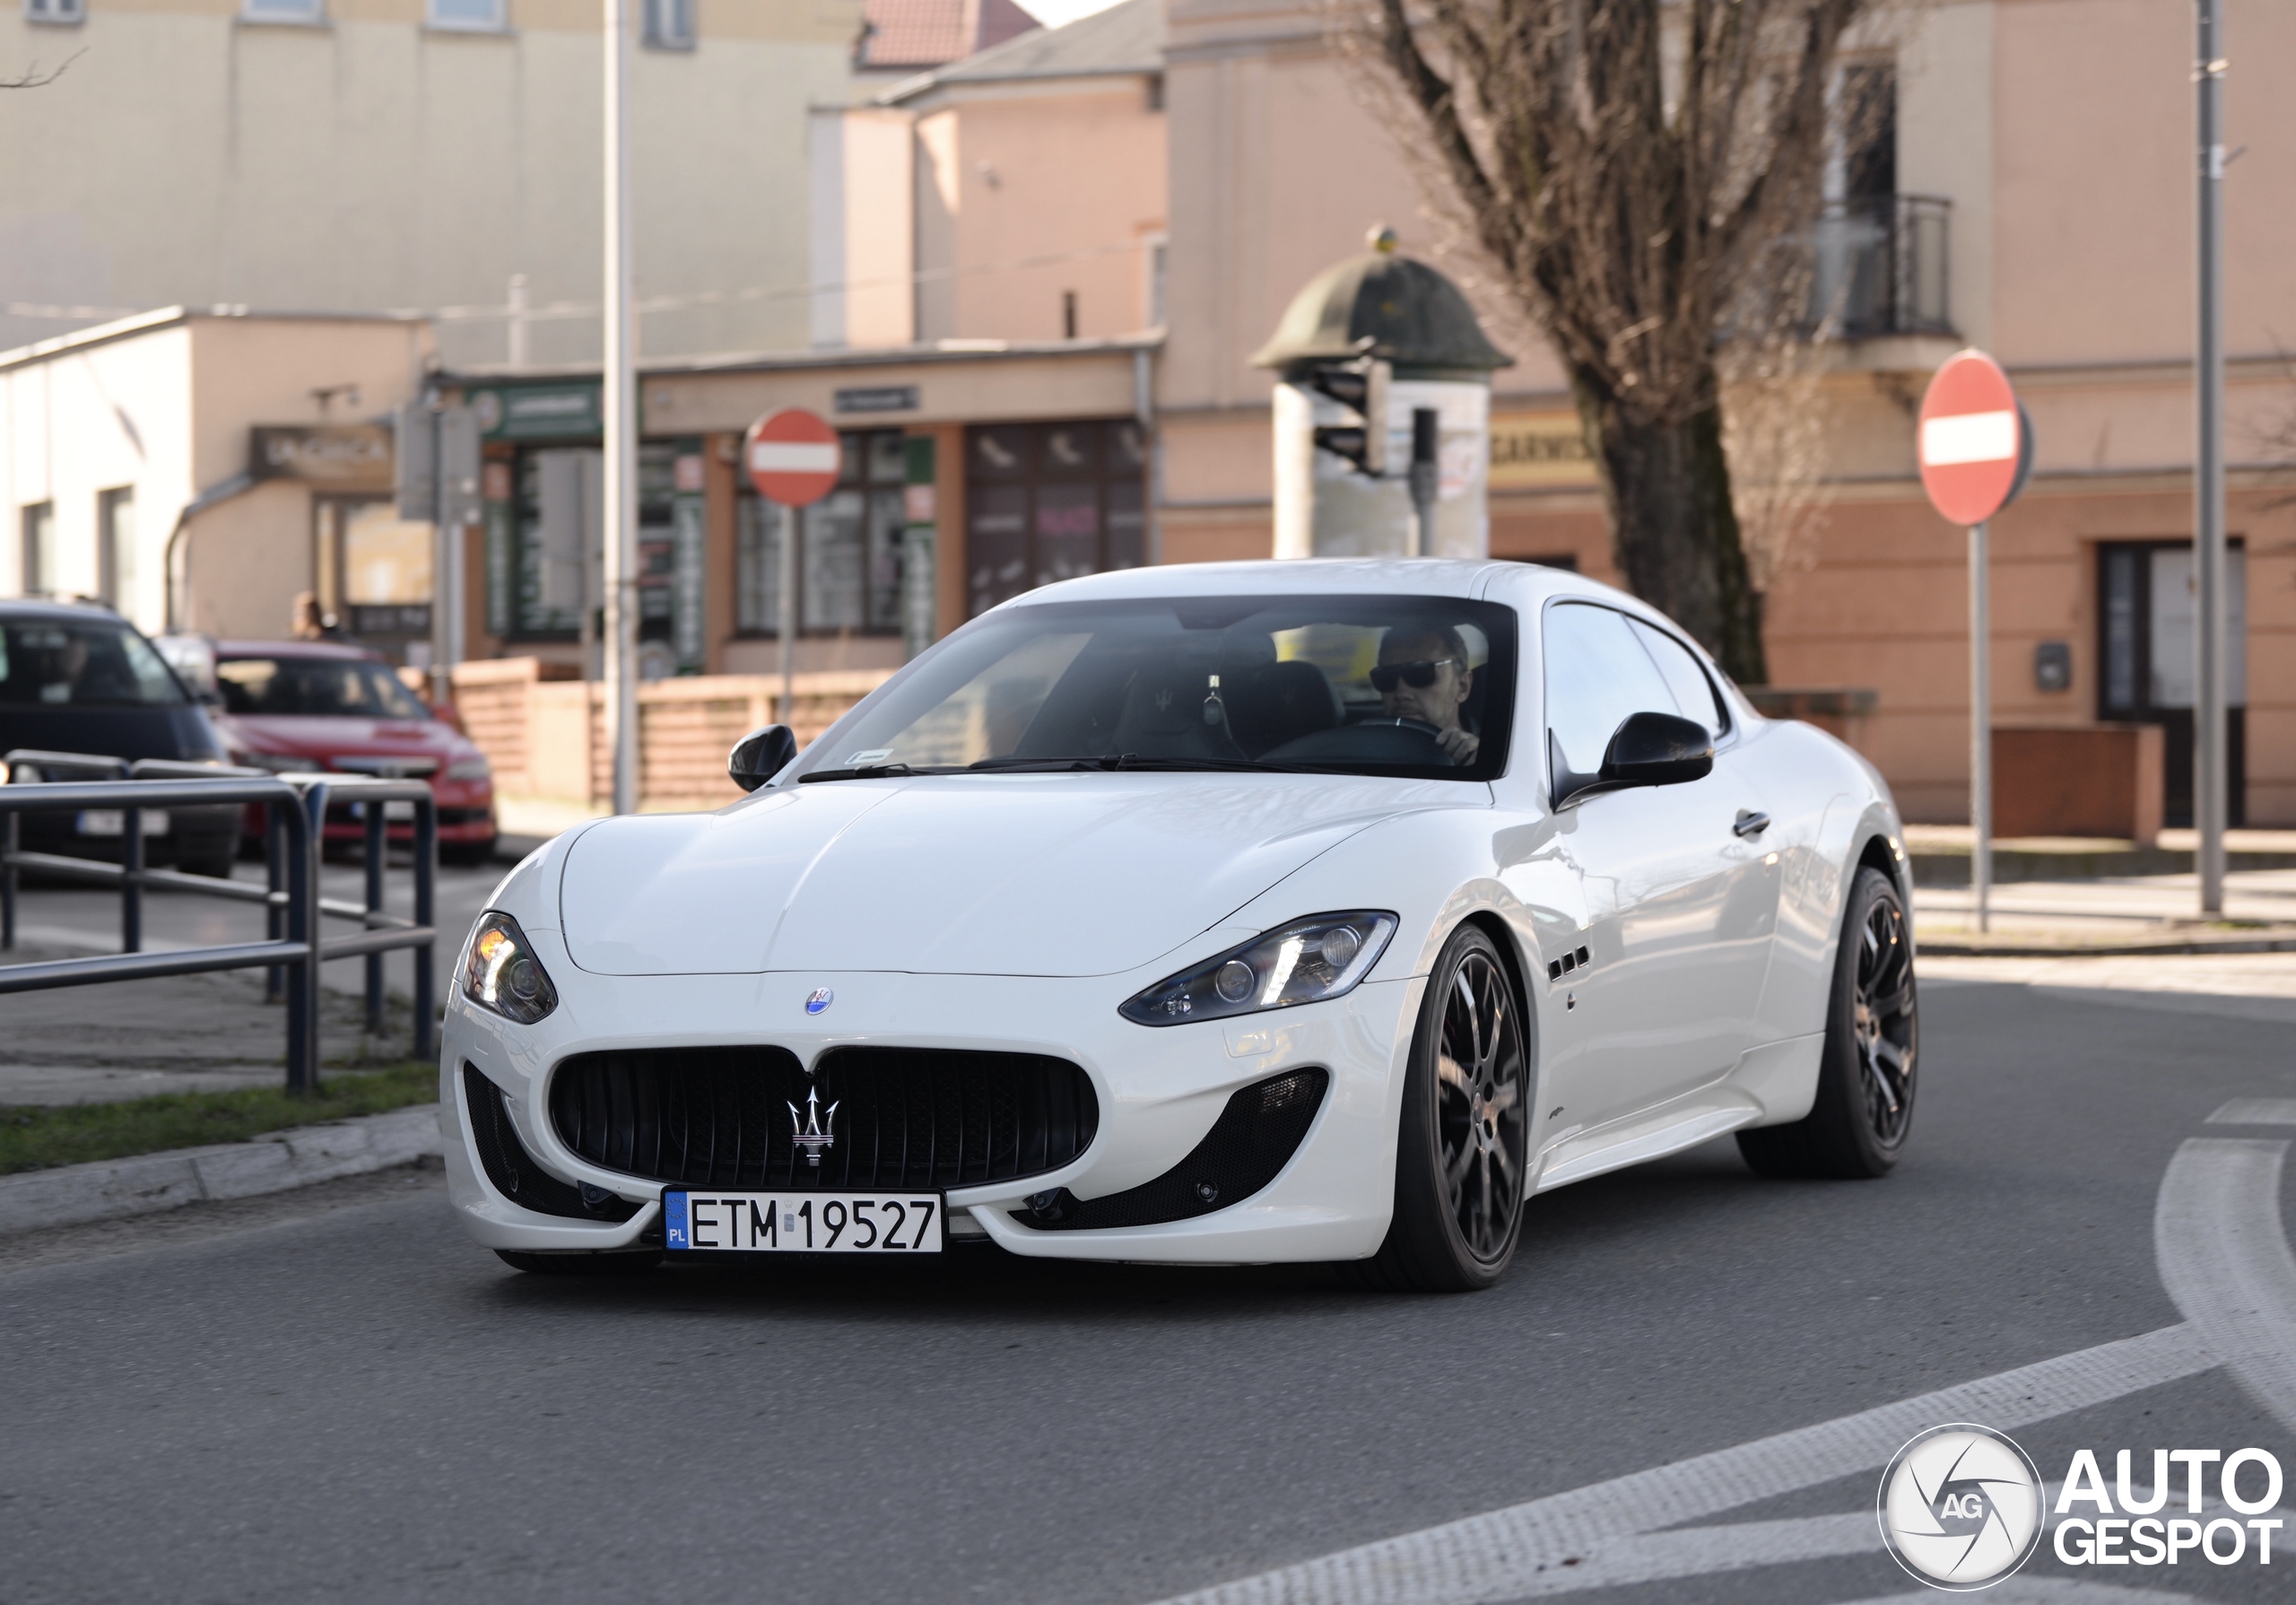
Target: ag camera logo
column 1961, row 1507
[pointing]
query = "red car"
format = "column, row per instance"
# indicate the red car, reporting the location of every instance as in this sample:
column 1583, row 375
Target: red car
column 307, row 706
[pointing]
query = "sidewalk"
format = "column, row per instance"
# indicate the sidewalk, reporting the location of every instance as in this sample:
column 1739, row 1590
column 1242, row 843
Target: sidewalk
column 2148, row 913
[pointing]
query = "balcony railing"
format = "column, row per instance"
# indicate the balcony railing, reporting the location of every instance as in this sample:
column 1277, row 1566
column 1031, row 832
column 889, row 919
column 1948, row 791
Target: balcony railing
column 1881, row 267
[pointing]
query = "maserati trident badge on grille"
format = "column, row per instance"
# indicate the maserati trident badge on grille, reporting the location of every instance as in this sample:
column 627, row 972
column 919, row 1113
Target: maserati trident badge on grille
column 818, row 999
column 816, row 1131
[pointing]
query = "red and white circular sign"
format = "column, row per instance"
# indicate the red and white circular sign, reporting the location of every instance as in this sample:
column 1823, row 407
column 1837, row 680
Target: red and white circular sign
column 792, row 457
column 1973, row 442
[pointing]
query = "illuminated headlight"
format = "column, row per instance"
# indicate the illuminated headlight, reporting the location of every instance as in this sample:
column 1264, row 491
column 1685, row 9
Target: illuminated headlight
column 501, row 973
column 1306, row 961
column 470, row 768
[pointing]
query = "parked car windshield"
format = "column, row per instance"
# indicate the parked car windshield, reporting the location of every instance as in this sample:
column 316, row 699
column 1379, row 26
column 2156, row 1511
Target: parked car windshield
column 75, row 663
column 335, row 687
column 1411, row 685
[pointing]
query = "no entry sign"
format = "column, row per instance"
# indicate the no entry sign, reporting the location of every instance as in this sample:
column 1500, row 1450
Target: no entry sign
column 792, row 457
column 1976, row 445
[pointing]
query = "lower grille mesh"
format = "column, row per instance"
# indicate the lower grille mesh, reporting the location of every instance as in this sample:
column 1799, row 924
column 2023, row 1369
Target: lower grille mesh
column 894, row 1116
column 512, row 1169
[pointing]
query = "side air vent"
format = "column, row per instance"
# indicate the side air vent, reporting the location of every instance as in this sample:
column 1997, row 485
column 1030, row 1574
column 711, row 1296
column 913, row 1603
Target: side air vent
column 1251, row 1142
column 512, row 1169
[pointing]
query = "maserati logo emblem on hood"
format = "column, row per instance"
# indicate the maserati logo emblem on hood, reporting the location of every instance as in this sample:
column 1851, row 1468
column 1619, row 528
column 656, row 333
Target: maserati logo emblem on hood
column 818, row 999
column 816, row 1131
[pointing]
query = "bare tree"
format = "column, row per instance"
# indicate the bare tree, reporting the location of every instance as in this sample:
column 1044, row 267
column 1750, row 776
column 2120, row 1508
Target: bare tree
column 33, row 77
column 1638, row 176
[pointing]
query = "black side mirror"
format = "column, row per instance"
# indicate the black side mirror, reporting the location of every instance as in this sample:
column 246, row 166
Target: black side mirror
column 1657, row 749
column 1646, row 749
column 760, row 756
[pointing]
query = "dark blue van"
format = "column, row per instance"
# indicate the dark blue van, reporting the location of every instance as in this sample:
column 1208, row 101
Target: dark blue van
column 78, row 678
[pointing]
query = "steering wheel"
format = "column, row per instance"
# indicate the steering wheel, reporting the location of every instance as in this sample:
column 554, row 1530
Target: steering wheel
column 1433, row 732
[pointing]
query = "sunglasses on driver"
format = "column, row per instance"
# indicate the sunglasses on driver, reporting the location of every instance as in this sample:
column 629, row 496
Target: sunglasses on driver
column 1419, row 676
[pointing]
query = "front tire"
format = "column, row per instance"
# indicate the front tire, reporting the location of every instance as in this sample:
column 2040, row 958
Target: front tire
column 1463, row 1147
column 1864, row 1112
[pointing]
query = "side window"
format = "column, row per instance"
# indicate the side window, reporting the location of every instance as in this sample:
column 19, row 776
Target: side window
column 1596, row 674
column 1693, row 692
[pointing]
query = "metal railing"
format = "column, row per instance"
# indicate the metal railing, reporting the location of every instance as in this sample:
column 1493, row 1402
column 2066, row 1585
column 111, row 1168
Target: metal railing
column 295, row 945
column 1881, row 267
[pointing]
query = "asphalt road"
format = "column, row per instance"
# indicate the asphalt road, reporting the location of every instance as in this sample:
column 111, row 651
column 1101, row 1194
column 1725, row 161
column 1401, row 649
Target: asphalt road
column 334, row 1396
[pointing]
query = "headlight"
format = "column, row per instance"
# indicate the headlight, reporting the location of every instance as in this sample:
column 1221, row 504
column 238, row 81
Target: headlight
column 282, row 762
column 470, row 768
column 501, row 973
column 1306, row 961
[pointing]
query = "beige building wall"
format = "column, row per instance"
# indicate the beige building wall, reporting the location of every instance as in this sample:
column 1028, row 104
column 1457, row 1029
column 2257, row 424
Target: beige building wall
column 366, row 162
column 163, row 406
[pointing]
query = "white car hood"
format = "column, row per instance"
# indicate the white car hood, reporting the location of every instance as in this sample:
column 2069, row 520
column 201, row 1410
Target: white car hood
column 974, row 875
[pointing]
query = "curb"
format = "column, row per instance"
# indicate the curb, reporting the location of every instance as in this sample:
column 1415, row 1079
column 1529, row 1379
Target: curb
column 1965, row 947
column 112, row 1189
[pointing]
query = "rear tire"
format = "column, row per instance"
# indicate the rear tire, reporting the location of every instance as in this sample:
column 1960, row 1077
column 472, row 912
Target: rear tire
column 1864, row 1112
column 610, row 1264
column 1463, row 1142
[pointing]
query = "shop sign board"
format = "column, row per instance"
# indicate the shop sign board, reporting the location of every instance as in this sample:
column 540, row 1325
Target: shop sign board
column 345, row 455
column 1975, row 444
column 792, row 457
column 544, row 412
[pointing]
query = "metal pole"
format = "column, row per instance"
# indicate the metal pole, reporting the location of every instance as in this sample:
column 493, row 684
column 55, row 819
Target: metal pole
column 620, row 426
column 274, row 906
column 787, row 622
column 2208, row 747
column 442, row 565
column 376, row 817
column 1425, row 423
column 131, row 890
column 1980, row 732
column 303, row 837
column 8, row 882
column 425, row 1025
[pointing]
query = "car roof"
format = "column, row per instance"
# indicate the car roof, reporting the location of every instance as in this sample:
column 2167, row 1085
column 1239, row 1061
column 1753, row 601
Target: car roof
column 20, row 608
column 335, row 650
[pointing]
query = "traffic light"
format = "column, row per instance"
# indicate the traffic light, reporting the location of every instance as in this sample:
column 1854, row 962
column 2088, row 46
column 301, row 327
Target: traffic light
column 1361, row 387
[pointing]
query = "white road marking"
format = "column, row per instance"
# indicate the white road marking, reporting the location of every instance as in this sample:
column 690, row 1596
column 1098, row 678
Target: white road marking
column 1506, row 1554
column 2255, row 1112
column 2047, row 1591
column 2225, row 1261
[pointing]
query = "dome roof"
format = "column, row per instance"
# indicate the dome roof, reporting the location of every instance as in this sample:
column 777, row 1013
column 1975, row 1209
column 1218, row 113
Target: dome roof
column 1386, row 306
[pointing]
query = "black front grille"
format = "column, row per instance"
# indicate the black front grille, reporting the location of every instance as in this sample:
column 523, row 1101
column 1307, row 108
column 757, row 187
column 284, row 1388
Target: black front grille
column 903, row 1117
column 512, row 1169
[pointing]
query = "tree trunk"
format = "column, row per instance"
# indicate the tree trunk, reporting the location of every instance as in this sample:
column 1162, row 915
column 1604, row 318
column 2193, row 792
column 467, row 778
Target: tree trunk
column 1673, row 532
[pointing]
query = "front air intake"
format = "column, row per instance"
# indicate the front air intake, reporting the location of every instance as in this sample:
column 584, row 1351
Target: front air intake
column 872, row 1117
column 1248, row 1147
column 512, row 1169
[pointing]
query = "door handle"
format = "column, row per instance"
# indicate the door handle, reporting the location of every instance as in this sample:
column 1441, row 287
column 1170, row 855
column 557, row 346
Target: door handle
column 1751, row 821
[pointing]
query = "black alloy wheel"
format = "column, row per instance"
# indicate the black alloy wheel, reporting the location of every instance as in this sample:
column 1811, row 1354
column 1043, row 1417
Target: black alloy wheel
column 1464, row 1147
column 1866, row 1072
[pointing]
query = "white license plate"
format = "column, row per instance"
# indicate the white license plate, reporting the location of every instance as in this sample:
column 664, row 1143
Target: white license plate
column 803, row 1223
column 391, row 810
column 113, row 821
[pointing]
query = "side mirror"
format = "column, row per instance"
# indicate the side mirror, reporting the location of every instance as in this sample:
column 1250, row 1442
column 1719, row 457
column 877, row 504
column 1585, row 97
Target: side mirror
column 1646, row 749
column 1657, row 749
column 760, row 756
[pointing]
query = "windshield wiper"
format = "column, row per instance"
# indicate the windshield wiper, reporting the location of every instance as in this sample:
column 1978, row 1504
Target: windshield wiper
column 1132, row 761
column 873, row 771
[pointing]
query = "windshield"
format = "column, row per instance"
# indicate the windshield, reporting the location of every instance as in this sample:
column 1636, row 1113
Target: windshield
column 71, row 663
column 1407, row 685
column 340, row 688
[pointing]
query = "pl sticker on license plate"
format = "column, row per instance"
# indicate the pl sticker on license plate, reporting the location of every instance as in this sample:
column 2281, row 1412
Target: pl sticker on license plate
column 803, row 1223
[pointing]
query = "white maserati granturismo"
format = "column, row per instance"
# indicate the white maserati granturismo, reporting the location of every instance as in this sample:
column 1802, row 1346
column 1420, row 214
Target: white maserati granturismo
column 1211, row 914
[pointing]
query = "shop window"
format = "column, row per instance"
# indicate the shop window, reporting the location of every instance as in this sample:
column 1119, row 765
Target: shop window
column 374, row 571
column 1051, row 502
column 849, row 546
column 2146, row 617
column 669, row 24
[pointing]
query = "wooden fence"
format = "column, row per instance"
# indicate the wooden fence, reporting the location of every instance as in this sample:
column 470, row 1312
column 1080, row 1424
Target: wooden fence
column 546, row 736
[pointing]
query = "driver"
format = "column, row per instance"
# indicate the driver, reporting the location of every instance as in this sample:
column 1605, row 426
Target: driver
column 1423, row 676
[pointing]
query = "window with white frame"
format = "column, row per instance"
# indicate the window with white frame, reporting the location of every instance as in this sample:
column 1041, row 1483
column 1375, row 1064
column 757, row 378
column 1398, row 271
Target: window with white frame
column 669, row 24
column 484, row 17
column 284, row 10
column 56, row 11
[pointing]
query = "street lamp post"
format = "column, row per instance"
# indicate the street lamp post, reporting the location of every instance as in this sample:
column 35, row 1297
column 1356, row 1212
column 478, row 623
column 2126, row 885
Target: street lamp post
column 2209, row 778
column 621, row 416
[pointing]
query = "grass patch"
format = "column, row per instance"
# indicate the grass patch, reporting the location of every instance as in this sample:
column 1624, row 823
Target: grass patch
column 35, row 1138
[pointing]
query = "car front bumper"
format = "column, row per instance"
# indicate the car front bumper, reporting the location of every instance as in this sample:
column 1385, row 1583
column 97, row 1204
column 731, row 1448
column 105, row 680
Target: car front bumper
column 1159, row 1092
